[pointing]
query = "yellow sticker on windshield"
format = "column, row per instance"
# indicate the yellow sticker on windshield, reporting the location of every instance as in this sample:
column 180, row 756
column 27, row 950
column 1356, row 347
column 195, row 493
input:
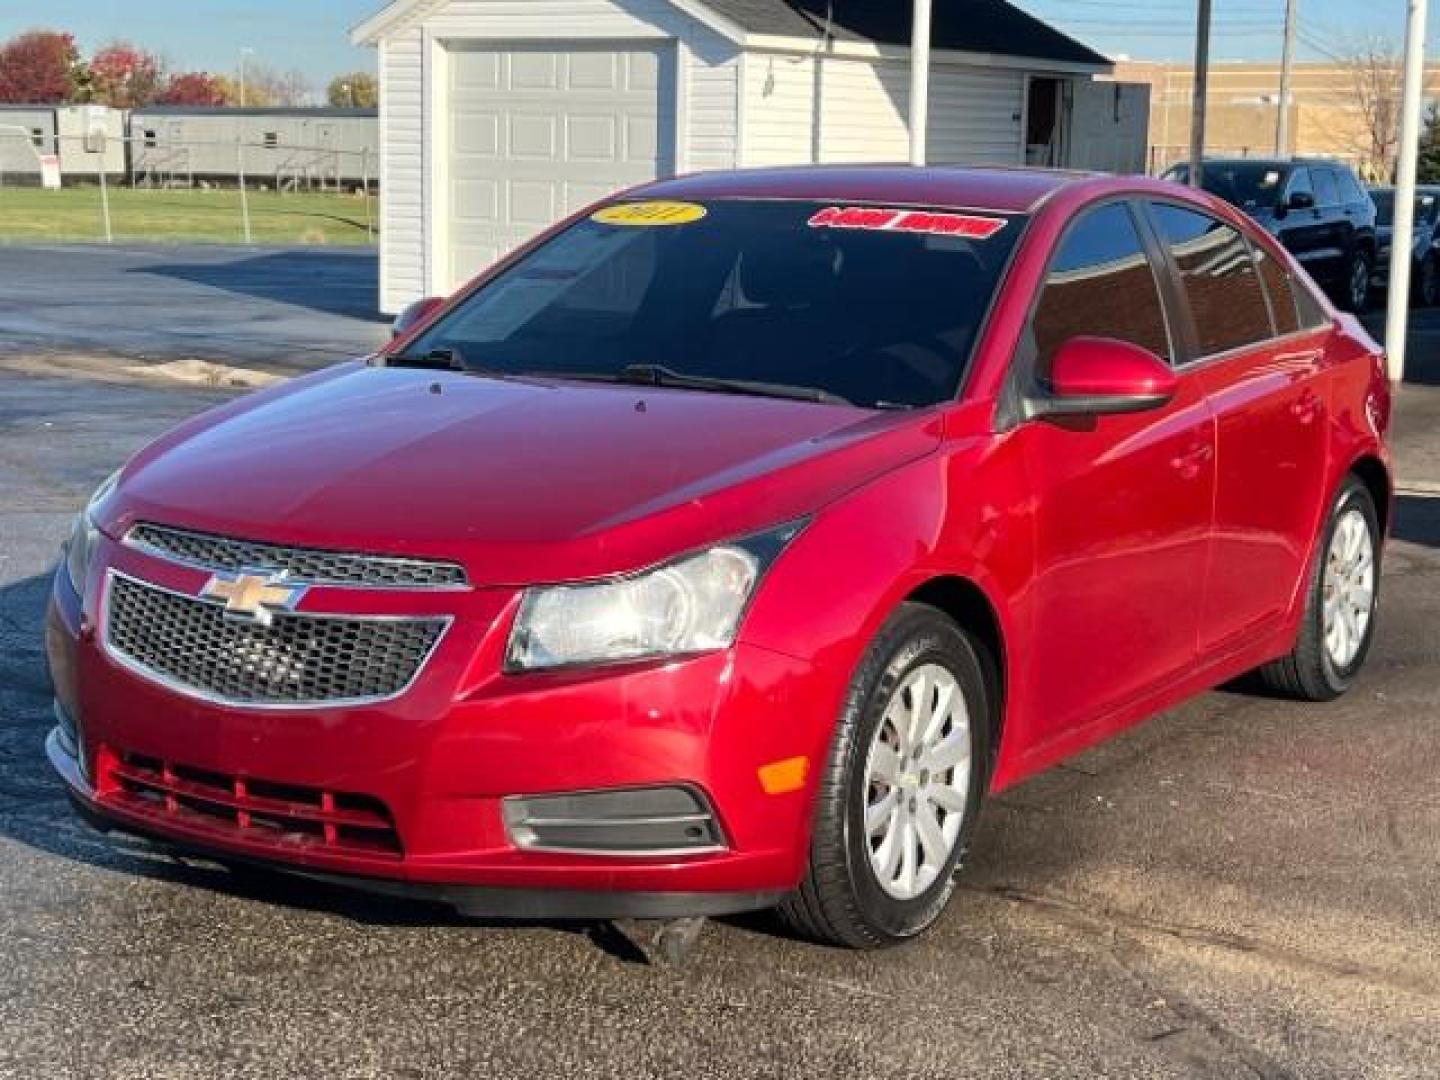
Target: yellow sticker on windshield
column 650, row 213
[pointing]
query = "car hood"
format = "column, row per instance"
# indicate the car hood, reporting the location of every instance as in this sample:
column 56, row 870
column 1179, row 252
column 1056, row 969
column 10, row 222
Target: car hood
column 522, row 480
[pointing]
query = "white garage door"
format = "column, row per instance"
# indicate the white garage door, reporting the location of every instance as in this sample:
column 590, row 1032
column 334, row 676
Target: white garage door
column 538, row 132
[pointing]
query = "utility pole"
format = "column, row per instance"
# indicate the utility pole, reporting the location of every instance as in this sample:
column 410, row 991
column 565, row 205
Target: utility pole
column 1409, row 160
column 1287, row 72
column 1202, row 92
column 919, row 80
column 244, row 52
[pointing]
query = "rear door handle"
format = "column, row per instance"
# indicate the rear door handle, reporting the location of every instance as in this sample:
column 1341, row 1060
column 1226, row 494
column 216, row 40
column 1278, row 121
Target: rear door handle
column 1306, row 407
column 1189, row 463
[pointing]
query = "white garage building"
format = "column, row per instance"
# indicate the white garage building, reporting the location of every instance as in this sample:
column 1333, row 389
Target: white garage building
column 498, row 117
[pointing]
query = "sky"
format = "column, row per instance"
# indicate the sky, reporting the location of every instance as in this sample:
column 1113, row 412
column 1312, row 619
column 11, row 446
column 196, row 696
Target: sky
column 1243, row 29
column 207, row 35
column 312, row 34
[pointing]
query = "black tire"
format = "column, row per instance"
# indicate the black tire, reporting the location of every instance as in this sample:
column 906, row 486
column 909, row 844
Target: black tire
column 1355, row 296
column 840, row 900
column 1427, row 282
column 1309, row 673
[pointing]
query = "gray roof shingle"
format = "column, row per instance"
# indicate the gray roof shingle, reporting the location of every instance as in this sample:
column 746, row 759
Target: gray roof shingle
column 983, row 26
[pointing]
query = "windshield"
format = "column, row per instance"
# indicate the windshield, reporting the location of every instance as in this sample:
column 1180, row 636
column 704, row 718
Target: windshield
column 877, row 306
column 1248, row 186
column 1425, row 207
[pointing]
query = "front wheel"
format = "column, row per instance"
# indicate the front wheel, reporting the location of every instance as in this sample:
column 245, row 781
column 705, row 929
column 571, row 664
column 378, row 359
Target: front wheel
column 1341, row 604
column 902, row 787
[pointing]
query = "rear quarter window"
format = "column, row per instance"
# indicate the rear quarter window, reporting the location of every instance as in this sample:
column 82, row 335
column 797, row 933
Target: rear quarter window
column 1278, row 284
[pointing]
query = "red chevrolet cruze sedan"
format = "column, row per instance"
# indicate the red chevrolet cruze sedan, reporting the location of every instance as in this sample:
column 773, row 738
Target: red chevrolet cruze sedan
column 722, row 548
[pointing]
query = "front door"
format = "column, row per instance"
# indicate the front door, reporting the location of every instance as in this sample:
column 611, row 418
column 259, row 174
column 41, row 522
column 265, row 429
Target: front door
column 1302, row 230
column 1122, row 503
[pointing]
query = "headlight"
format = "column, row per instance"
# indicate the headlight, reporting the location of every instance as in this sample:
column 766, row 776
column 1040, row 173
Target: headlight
column 84, row 536
column 688, row 606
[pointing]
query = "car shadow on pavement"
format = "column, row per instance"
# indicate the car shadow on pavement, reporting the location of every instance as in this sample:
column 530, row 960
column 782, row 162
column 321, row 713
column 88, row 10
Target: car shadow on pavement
column 1417, row 520
column 329, row 281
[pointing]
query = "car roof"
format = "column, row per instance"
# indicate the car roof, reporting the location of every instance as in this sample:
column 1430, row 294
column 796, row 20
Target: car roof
column 1273, row 163
column 1006, row 190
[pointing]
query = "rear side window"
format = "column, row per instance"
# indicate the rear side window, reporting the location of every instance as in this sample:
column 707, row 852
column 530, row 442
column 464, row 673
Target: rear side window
column 1282, row 292
column 1350, row 189
column 1220, row 279
column 1327, row 191
column 1101, row 284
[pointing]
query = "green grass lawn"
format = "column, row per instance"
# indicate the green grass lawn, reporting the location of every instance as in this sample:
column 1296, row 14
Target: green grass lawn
column 189, row 216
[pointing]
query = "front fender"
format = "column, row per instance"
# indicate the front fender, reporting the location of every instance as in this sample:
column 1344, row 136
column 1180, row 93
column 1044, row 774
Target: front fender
column 959, row 513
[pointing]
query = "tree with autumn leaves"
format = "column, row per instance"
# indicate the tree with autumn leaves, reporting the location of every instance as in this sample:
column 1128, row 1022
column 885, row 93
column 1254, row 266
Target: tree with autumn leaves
column 44, row 67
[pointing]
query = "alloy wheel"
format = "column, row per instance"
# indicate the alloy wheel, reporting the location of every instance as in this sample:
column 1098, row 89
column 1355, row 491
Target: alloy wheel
column 917, row 781
column 1349, row 588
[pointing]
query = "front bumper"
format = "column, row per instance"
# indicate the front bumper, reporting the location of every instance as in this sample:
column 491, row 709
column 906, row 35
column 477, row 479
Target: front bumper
column 437, row 764
column 473, row 900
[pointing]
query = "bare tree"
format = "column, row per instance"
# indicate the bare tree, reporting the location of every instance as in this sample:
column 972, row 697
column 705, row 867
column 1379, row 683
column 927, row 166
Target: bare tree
column 1374, row 73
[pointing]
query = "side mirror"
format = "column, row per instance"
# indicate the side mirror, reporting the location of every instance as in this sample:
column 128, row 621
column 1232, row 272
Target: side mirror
column 1100, row 377
column 1300, row 200
column 413, row 315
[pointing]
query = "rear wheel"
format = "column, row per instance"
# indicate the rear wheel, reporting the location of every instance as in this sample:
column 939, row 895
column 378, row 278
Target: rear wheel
column 1356, row 296
column 1427, row 282
column 1340, row 609
column 902, row 787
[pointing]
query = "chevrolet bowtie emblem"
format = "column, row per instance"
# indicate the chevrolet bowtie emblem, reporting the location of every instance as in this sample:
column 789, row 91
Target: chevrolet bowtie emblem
column 253, row 596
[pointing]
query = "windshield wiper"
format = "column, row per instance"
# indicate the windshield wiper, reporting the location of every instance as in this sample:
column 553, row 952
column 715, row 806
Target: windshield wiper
column 447, row 359
column 660, row 375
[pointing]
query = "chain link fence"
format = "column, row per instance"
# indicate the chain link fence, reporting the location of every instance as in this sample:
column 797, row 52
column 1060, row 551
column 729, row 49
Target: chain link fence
column 147, row 185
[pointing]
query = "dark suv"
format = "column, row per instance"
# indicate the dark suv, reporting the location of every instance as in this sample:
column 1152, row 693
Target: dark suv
column 1318, row 209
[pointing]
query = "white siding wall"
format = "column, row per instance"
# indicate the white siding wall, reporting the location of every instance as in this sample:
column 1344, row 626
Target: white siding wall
column 975, row 116
column 402, row 201
column 974, row 112
column 709, row 67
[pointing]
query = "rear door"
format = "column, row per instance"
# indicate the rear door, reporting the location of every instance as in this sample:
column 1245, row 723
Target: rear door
column 1336, row 238
column 1121, row 503
column 1261, row 373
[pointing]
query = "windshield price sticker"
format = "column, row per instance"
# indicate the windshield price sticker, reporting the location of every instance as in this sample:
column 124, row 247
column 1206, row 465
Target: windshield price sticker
column 930, row 222
column 650, row 214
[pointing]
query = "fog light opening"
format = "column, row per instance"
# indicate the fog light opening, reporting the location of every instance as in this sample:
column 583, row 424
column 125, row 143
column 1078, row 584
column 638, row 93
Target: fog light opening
column 634, row 822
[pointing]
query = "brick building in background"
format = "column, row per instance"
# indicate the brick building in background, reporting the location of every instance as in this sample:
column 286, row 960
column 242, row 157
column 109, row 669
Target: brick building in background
column 1328, row 118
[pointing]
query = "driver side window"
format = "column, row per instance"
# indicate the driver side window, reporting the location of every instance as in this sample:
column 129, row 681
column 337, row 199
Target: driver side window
column 1300, row 184
column 1100, row 284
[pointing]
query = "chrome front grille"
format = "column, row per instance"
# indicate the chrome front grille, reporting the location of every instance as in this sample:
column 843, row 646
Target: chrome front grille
column 297, row 660
column 312, row 566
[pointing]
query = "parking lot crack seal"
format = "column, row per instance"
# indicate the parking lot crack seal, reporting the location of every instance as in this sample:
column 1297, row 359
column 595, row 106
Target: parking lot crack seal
column 1106, row 919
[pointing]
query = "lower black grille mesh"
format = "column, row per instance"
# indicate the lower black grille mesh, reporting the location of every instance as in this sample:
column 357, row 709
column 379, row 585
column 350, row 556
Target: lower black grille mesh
column 297, row 660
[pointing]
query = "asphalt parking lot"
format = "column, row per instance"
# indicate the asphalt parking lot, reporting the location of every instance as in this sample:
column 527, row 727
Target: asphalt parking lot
column 1241, row 888
column 286, row 309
